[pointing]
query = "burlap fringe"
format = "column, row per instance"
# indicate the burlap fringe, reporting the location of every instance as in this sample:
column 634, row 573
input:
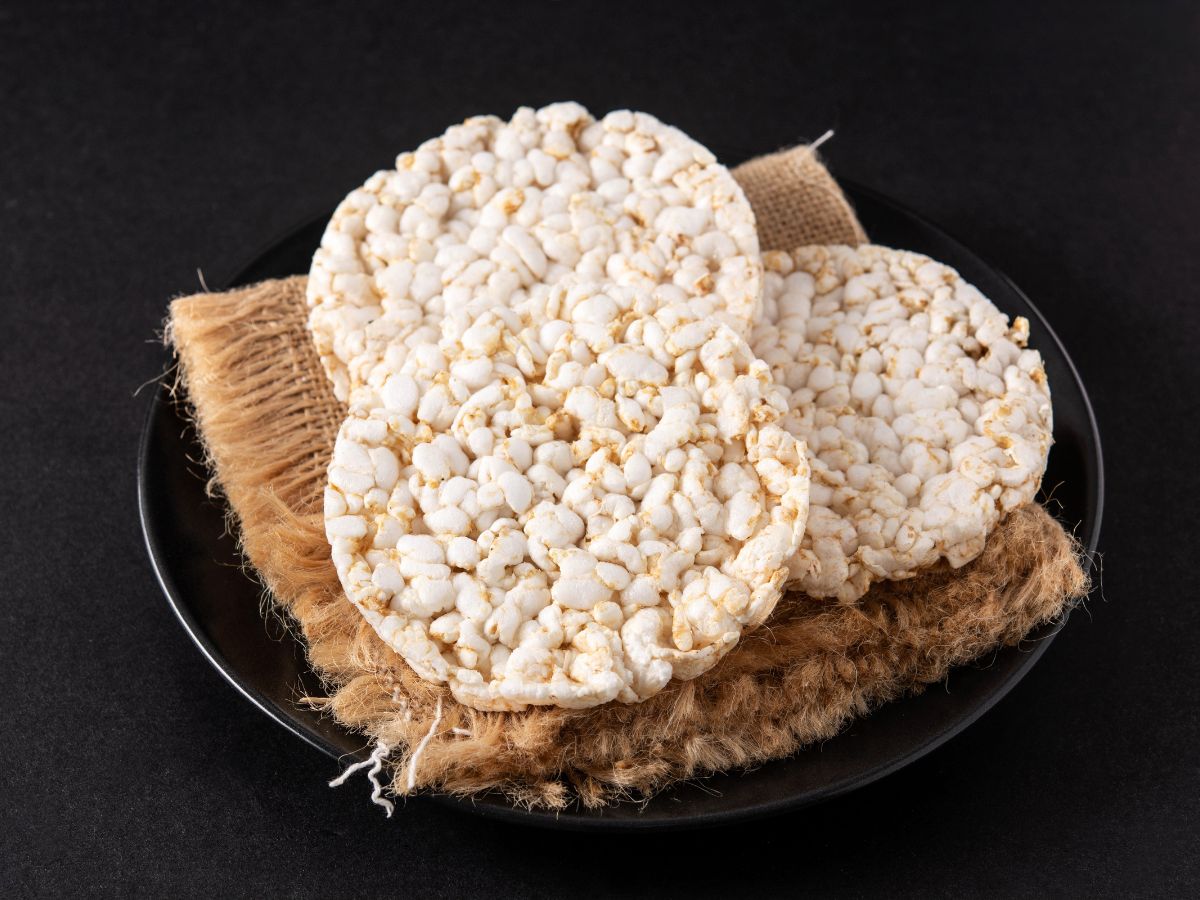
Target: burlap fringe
column 268, row 420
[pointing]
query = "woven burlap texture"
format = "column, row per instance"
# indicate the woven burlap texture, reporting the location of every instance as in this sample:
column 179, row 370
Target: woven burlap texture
column 268, row 419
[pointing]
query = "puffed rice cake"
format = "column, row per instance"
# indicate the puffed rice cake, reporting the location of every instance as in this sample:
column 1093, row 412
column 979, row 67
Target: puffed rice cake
column 926, row 416
column 492, row 211
column 571, row 512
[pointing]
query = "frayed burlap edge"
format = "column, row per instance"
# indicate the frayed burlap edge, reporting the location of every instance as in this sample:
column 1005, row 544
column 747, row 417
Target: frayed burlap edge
column 268, row 419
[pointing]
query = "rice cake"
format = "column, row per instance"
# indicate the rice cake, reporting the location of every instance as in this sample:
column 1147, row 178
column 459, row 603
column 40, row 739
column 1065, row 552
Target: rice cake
column 492, row 211
column 926, row 416
column 571, row 513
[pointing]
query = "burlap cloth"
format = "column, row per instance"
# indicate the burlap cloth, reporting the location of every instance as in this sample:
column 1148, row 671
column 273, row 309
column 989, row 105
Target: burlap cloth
column 268, row 421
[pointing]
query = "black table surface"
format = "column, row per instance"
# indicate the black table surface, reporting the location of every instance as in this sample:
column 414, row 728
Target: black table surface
column 1061, row 143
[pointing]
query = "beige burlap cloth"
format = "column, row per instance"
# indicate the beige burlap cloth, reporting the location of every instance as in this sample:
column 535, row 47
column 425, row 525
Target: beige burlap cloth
column 268, row 420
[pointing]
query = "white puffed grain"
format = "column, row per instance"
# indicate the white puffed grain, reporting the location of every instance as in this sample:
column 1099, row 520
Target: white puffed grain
column 926, row 418
column 614, row 514
column 492, row 213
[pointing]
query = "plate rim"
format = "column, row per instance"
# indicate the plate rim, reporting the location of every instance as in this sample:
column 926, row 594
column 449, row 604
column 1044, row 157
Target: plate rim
column 580, row 820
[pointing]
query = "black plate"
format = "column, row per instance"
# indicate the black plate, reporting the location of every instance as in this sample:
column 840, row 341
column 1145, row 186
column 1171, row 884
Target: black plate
column 198, row 567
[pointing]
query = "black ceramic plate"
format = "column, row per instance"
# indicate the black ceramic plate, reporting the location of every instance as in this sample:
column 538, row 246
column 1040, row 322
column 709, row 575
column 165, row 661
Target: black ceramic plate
column 198, row 567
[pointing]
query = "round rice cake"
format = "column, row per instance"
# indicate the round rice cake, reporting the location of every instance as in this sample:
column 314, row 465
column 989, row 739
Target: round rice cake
column 492, row 210
column 925, row 415
column 572, row 513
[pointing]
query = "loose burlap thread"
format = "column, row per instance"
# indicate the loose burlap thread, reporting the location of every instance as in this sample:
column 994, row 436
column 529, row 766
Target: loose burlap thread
column 268, row 419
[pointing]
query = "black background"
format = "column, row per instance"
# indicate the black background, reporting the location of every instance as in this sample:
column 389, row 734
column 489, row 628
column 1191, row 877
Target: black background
column 1061, row 143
